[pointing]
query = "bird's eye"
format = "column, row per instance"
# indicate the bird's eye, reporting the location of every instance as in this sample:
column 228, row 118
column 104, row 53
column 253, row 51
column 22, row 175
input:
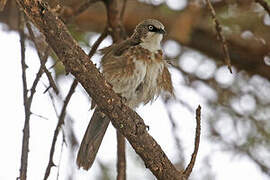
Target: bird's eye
column 150, row 28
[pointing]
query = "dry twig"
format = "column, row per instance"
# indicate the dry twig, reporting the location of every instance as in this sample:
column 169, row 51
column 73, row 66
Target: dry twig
column 58, row 128
column 98, row 42
column 25, row 144
column 62, row 147
column 191, row 164
column 220, row 36
column 27, row 100
column 43, row 59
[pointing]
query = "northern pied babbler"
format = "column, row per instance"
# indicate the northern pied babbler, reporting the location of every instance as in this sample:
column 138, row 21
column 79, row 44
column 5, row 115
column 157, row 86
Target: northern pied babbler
column 137, row 71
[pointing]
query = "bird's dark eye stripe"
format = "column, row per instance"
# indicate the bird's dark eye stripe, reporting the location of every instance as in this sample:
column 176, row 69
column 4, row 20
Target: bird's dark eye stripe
column 152, row 28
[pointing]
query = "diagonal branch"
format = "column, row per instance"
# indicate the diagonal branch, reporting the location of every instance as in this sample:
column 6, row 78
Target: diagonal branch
column 58, row 128
column 43, row 59
column 26, row 131
column 128, row 122
column 121, row 156
column 27, row 100
column 98, row 42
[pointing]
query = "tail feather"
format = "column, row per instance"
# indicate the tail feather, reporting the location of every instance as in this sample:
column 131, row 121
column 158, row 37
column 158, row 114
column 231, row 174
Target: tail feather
column 92, row 139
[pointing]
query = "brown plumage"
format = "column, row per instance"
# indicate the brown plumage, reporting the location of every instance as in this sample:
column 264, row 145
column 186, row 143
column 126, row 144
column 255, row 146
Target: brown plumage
column 137, row 71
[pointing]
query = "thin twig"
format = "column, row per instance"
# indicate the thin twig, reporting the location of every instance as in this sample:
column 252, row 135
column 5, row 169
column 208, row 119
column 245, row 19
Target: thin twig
column 220, row 36
column 191, row 164
column 61, row 153
column 98, row 42
column 121, row 158
column 53, row 102
column 264, row 5
column 25, row 143
column 58, row 127
column 27, row 100
column 39, row 116
column 43, row 59
column 35, row 83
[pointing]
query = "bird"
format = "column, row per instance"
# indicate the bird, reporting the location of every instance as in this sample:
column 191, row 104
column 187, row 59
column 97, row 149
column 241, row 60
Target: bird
column 137, row 71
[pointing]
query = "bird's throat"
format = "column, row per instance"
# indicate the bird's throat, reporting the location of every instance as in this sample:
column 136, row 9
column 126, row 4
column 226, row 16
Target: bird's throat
column 152, row 44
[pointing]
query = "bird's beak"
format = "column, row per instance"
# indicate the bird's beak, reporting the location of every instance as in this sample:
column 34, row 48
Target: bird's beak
column 161, row 31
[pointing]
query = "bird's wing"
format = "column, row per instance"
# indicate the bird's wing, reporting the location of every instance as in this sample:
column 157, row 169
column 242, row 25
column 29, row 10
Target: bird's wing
column 120, row 48
column 118, row 59
column 165, row 81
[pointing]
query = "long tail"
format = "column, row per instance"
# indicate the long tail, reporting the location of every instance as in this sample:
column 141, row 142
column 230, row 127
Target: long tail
column 92, row 139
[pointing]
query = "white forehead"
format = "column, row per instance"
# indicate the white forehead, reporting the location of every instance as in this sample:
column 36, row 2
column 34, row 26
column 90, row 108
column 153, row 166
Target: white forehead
column 152, row 22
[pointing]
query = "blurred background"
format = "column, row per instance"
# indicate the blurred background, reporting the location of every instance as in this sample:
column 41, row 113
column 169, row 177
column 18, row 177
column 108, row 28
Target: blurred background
column 235, row 138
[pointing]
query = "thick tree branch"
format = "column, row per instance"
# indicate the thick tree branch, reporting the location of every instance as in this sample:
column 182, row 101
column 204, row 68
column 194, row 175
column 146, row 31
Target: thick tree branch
column 121, row 156
column 77, row 62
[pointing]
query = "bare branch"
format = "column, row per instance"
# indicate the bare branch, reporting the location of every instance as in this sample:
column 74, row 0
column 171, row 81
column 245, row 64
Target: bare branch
column 27, row 100
column 114, row 20
column 25, row 144
column 220, row 36
column 58, row 128
column 98, row 42
column 61, row 153
column 191, row 164
column 43, row 59
column 264, row 5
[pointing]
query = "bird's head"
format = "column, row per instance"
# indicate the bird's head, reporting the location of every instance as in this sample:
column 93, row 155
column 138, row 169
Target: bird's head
column 150, row 33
